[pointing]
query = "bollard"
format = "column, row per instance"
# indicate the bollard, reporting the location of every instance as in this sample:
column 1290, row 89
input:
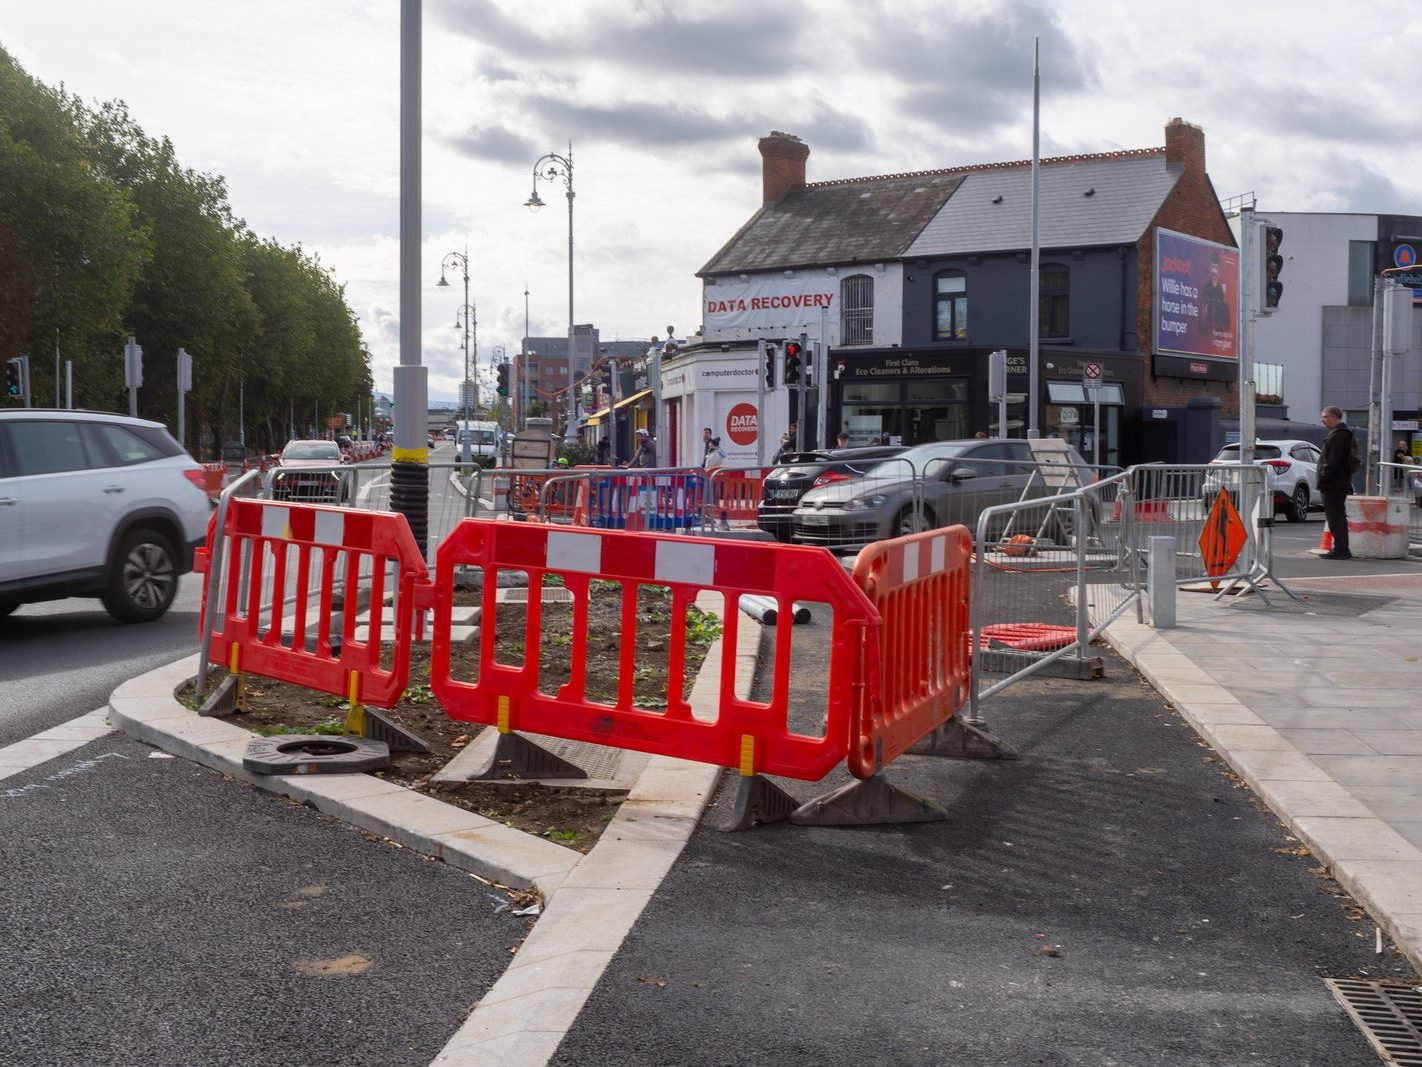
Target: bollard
column 1160, row 582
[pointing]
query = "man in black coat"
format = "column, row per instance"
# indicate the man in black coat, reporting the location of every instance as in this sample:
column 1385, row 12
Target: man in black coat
column 1335, row 480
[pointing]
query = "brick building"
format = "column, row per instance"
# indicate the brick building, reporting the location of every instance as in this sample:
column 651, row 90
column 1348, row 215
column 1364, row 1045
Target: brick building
column 885, row 270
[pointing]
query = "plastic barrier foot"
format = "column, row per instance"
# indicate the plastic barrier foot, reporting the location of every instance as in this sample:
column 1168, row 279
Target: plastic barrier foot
column 399, row 739
column 870, row 802
column 759, row 801
column 314, row 754
column 223, row 699
column 963, row 740
column 515, row 756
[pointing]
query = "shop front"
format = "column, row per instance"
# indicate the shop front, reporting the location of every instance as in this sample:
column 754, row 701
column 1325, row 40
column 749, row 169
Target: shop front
column 716, row 388
column 916, row 397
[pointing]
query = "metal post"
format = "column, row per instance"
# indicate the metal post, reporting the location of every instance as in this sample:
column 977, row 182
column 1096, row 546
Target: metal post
column 760, row 420
column 1033, row 326
column 1083, row 613
column 824, row 381
column 1096, row 426
column 654, row 372
column 802, row 423
column 409, row 471
column 242, row 415
column 56, row 368
column 570, row 432
column 1376, row 453
column 69, row 384
column 1246, row 335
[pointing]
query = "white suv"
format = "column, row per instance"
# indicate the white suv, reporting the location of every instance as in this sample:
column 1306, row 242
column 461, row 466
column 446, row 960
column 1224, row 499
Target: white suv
column 1292, row 467
column 93, row 504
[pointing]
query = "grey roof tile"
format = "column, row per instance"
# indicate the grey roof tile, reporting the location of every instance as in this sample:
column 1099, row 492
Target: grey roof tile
column 1129, row 190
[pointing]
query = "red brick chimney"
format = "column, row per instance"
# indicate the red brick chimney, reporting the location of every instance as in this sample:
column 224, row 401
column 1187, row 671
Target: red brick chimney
column 782, row 165
column 1185, row 144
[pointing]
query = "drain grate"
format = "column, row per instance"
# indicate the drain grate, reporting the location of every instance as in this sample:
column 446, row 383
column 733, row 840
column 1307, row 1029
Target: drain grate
column 1390, row 1016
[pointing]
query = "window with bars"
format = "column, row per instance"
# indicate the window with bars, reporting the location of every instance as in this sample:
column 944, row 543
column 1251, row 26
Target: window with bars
column 856, row 316
column 1053, row 290
column 950, row 306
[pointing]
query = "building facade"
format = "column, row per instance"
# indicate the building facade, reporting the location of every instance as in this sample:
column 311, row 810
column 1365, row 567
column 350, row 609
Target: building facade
column 910, row 281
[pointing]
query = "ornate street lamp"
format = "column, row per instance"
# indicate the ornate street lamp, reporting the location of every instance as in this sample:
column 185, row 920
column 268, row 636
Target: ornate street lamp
column 552, row 167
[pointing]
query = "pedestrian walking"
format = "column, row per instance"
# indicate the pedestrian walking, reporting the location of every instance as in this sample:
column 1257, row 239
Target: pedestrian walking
column 1336, row 467
column 646, row 454
column 714, row 459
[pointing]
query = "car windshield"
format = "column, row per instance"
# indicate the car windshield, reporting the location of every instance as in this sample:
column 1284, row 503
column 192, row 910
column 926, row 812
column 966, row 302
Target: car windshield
column 914, row 459
column 312, row 450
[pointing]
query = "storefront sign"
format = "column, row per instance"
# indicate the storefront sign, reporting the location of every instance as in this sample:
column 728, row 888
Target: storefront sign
column 741, row 423
column 768, row 302
column 1196, row 305
column 851, row 367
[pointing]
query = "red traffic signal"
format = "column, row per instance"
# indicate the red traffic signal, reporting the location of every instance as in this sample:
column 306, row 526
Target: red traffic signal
column 792, row 362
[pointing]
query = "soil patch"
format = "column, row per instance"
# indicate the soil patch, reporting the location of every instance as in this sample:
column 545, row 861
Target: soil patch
column 568, row 815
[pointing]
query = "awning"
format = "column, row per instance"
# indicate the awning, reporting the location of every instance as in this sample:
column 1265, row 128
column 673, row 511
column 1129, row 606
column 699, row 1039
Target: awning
column 596, row 417
column 631, row 399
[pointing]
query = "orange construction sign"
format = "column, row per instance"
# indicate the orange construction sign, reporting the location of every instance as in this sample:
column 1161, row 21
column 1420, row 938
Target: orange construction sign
column 1223, row 537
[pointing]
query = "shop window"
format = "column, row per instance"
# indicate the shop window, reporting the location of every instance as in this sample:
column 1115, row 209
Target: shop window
column 1362, row 256
column 1053, row 288
column 950, row 306
column 856, row 301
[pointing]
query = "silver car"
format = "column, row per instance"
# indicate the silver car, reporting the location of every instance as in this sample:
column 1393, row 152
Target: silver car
column 960, row 480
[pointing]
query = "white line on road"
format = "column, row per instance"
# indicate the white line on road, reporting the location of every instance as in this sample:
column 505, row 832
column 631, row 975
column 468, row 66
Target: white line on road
column 55, row 741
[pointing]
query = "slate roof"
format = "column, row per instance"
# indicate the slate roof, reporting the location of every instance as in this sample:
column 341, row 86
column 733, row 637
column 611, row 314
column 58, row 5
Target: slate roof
column 1127, row 191
column 862, row 220
column 951, row 212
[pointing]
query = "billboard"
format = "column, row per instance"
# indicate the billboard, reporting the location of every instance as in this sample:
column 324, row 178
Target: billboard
column 1196, row 297
column 767, row 303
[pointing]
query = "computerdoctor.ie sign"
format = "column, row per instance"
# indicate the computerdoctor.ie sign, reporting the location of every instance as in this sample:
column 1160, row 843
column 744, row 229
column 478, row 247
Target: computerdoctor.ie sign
column 767, row 304
column 1196, row 300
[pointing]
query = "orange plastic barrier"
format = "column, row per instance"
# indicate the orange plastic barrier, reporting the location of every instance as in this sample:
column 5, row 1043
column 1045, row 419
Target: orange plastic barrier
column 736, row 493
column 749, row 735
column 277, row 558
column 920, row 585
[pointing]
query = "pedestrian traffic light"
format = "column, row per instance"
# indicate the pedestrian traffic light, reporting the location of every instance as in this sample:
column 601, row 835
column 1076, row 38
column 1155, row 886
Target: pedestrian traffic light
column 501, row 379
column 1271, row 287
column 13, row 388
column 769, row 365
column 792, row 362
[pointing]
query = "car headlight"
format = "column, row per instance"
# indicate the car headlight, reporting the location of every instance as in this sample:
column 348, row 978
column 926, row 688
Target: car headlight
column 865, row 503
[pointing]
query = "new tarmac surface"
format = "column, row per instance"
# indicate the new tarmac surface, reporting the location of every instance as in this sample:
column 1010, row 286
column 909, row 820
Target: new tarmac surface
column 1115, row 896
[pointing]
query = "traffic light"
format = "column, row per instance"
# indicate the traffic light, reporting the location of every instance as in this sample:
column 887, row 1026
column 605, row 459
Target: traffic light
column 501, row 379
column 13, row 388
column 792, row 362
column 1271, row 287
column 769, row 365
column 604, row 376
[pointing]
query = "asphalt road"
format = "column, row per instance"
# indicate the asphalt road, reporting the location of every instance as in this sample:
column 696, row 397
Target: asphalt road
column 158, row 913
column 1113, row 897
column 63, row 658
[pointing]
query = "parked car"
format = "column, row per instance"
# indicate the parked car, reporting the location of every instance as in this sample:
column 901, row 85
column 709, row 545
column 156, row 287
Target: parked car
column 309, row 472
column 1292, row 475
column 960, row 480
column 93, row 504
column 800, row 472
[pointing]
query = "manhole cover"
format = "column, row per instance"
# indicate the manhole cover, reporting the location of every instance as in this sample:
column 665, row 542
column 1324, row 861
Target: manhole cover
column 1390, row 1016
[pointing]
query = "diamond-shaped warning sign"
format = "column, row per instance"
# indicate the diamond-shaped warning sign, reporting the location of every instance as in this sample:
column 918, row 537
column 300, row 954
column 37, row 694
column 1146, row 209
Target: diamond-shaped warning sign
column 1223, row 537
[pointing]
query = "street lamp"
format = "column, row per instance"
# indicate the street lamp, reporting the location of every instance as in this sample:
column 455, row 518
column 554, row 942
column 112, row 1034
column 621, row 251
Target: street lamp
column 462, row 258
column 550, row 167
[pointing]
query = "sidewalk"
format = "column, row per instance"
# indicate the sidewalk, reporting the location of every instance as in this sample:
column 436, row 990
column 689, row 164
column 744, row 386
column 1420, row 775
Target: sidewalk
column 1317, row 706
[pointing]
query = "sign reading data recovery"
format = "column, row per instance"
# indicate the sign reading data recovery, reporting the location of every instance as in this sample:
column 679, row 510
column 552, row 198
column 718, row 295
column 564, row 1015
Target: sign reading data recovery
column 1196, row 299
column 771, row 303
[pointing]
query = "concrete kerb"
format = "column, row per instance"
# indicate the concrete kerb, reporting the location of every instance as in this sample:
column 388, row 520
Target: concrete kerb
column 1378, row 868
column 591, row 901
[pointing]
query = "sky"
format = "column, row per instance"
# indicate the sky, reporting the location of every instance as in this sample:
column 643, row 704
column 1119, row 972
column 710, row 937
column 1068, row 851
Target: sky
column 296, row 104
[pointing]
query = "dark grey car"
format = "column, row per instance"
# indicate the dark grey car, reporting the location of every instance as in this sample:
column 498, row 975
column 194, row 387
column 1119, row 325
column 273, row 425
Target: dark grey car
column 959, row 479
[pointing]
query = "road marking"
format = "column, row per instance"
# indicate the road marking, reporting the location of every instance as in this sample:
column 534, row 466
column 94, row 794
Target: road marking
column 54, row 742
column 82, row 767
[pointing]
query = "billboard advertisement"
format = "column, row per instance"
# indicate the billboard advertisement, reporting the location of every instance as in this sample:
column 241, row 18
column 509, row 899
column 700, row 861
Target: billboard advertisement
column 767, row 303
column 1196, row 297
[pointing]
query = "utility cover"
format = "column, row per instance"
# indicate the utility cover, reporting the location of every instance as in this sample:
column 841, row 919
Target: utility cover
column 1223, row 537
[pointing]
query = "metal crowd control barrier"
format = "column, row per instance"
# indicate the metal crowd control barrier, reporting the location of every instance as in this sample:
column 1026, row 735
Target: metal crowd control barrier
column 667, row 499
column 919, row 585
column 1051, row 573
column 1405, row 480
column 733, row 495
column 273, row 578
column 755, row 737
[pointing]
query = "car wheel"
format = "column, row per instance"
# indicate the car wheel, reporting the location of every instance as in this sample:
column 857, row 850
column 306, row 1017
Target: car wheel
column 143, row 577
column 906, row 522
column 1297, row 511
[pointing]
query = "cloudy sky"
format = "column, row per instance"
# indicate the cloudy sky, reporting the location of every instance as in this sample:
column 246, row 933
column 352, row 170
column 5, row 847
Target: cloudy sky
column 297, row 105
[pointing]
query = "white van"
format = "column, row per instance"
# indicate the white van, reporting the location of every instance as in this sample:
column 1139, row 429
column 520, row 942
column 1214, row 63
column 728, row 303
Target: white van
column 483, row 437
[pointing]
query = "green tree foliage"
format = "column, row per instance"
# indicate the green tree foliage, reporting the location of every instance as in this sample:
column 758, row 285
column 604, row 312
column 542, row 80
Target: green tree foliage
column 103, row 234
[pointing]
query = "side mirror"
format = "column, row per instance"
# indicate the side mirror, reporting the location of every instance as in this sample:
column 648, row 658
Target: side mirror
column 962, row 474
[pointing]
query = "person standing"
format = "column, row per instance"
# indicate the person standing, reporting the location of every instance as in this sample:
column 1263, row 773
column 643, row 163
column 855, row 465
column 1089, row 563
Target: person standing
column 706, row 440
column 713, row 461
column 1335, row 479
column 646, row 455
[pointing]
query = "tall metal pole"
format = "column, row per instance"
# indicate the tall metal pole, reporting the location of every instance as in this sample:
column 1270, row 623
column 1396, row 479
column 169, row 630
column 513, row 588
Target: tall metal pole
column 56, row 368
column 522, row 374
column 409, row 472
column 1246, row 335
column 760, row 420
column 464, row 451
column 570, row 432
column 1034, row 281
column 242, row 414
